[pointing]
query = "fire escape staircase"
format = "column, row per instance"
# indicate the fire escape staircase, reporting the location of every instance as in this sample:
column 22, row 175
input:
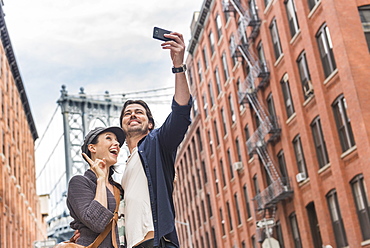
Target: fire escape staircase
column 268, row 130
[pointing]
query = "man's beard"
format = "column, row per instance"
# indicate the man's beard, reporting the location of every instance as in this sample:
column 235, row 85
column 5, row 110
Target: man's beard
column 135, row 131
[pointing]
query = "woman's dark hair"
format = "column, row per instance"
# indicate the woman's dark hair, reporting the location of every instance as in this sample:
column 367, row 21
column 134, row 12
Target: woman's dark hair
column 112, row 169
column 142, row 103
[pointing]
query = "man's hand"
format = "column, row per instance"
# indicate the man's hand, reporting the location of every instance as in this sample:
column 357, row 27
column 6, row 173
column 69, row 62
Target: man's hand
column 177, row 47
column 75, row 237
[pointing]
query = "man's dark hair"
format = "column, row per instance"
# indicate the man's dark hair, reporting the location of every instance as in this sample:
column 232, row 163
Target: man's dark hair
column 142, row 103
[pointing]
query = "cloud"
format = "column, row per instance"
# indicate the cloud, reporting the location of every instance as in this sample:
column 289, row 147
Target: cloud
column 99, row 45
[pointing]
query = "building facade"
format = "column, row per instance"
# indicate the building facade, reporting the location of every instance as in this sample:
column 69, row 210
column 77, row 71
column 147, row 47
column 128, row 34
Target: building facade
column 21, row 222
column 278, row 148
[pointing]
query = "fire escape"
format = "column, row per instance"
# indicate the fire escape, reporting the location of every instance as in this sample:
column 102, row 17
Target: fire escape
column 268, row 131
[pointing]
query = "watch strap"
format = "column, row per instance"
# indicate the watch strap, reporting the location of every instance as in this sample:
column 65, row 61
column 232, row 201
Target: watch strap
column 180, row 69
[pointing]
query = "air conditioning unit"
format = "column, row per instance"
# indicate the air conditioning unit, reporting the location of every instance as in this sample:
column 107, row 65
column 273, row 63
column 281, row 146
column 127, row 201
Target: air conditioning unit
column 308, row 88
column 301, row 177
column 238, row 166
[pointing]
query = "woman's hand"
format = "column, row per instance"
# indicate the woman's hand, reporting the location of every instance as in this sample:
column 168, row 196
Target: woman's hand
column 99, row 166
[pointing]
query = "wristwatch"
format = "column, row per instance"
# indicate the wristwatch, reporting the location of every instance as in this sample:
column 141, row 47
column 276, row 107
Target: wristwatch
column 180, row 69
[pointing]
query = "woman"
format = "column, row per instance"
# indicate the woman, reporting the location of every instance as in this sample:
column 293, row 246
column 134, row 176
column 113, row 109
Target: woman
column 91, row 197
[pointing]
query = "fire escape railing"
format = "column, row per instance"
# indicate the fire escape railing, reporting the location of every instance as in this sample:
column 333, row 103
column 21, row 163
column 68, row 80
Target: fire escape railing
column 268, row 130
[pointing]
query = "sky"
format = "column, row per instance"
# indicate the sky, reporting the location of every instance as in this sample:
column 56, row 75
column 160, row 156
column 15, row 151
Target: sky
column 95, row 44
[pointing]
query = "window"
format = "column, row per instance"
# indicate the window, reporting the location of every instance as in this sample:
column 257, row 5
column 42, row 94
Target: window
column 223, row 121
column 295, row 231
column 216, row 180
column 247, row 136
column 211, row 43
column 275, row 39
column 237, row 145
column 320, row 145
column 226, row 68
column 195, row 107
column 364, row 12
column 205, row 105
column 222, row 173
column 210, row 142
column 279, row 234
column 210, row 91
column 232, row 111
column 230, row 163
column 314, row 225
column 242, row 27
column 218, row 82
column 205, row 57
column 216, row 130
column 199, row 138
column 200, row 74
column 292, row 17
column 246, row 199
column 222, row 223
column 254, row 241
column 219, row 26
column 203, row 211
column 336, row 218
column 362, row 205
column 301, row 163
column 204, row 169
column 237, row 209
column 232, row 46
column 253, row 10
column 305, row 75
column 255, row 184
column 190, row 76
column 282, row 167
column 343, row 123
column 312, row 3
column 229, row 215
column 289, row 107
column 214, row 239
column 210, row 213
column 271, row 110
column 326, row 50
column 261, row 55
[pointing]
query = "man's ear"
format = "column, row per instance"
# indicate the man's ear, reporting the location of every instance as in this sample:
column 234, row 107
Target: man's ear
column 150, row 126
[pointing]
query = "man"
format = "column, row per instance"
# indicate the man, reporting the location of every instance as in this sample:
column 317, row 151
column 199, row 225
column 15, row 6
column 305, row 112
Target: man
column 149, row 174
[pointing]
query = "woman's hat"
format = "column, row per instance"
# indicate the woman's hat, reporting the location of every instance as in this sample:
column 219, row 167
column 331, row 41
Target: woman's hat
column 95, row 132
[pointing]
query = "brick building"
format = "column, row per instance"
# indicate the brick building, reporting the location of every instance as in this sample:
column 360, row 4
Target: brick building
column 21, row 223
column 278, row 148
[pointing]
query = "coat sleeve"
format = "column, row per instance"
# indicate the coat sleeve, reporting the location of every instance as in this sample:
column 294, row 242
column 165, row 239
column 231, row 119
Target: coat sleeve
column 173, row 130
column 80, row 198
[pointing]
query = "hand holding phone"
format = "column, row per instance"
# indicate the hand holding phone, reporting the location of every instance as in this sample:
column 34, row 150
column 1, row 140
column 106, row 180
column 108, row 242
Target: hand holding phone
column 158, row 33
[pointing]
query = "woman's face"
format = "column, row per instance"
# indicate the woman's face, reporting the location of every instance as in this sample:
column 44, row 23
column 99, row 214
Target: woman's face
column 107, row 148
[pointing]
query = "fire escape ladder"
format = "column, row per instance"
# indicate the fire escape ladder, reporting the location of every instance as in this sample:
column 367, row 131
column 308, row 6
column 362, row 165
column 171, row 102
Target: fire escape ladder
column 267, row 162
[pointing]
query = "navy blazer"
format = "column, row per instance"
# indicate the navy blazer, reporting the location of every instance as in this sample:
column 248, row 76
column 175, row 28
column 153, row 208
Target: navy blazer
column 157, row 152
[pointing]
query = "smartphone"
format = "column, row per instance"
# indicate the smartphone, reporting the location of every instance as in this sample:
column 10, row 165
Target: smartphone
column 158, row 33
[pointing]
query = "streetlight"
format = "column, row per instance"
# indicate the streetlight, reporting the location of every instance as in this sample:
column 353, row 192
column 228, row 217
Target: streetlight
column 188, row 230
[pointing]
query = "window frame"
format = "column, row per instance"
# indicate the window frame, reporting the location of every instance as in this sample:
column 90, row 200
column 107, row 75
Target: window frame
column 288, row 100
column 365, row 20
column 336, row 219
column 359, row 193
column 319, row 142
column 291, row 12
column 275, row 38
column 343, row 123
column 325, row 47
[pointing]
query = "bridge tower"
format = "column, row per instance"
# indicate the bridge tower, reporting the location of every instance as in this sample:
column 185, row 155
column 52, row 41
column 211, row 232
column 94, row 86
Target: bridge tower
column 81, row 114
